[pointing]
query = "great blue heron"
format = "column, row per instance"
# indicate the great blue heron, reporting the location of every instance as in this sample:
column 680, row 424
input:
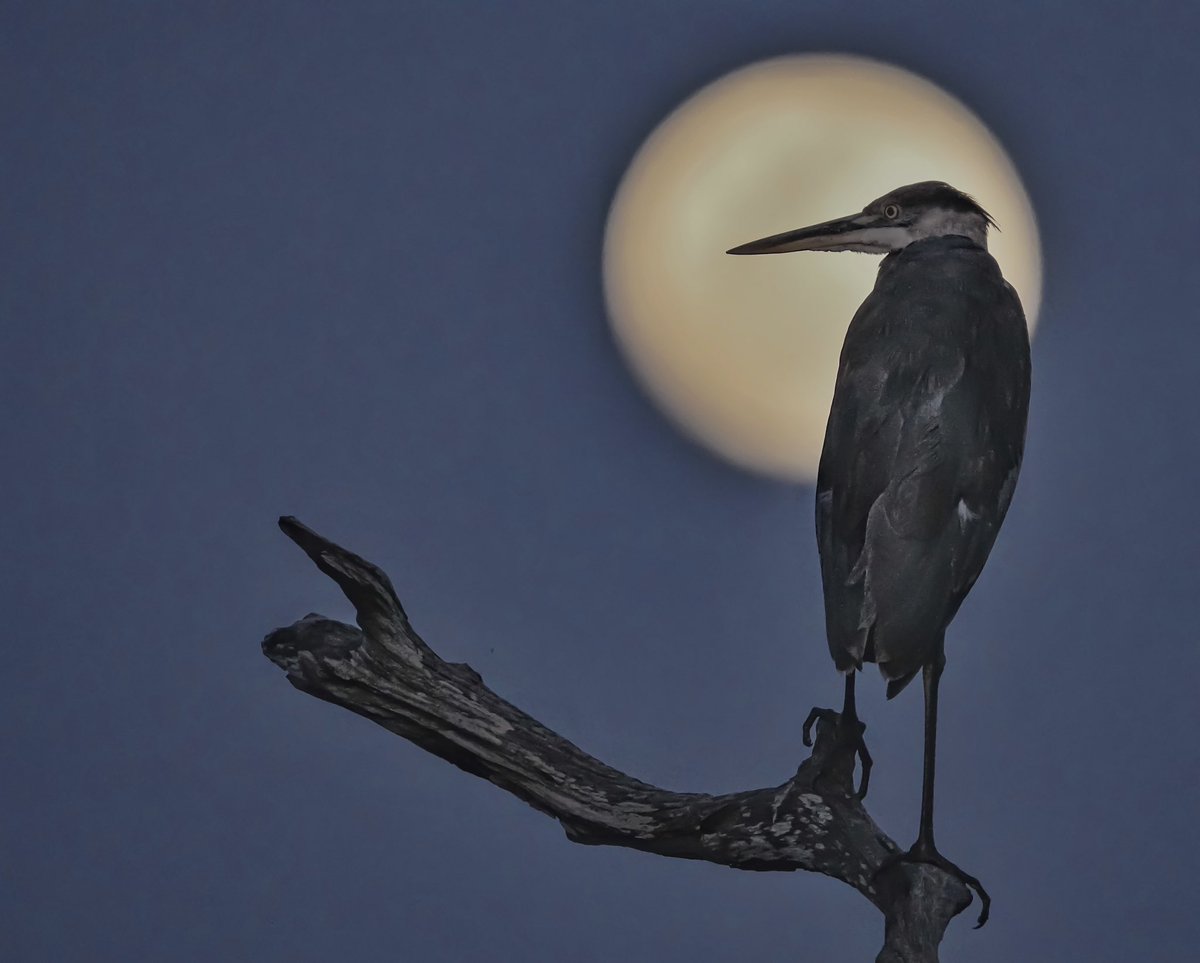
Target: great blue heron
column 922, row 449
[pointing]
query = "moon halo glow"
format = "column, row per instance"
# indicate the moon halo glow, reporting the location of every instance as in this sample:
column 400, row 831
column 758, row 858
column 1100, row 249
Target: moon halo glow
column 741, row 352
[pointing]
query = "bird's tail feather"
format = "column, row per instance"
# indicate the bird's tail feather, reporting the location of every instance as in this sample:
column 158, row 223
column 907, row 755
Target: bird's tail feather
column 895, row 686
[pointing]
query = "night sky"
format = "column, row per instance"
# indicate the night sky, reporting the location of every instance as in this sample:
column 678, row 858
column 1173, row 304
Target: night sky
column 343, row 263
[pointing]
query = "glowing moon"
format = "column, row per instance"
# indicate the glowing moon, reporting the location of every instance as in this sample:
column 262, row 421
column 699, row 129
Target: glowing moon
column 742, row 352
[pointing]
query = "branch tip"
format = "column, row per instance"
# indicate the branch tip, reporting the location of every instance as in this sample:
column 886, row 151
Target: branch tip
column 380, row 614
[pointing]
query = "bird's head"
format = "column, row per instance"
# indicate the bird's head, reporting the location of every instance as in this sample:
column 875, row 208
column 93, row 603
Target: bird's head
column 891, row 223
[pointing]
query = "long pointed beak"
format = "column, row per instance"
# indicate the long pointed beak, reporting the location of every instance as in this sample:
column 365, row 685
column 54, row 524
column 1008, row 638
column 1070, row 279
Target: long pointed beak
column 860, row 232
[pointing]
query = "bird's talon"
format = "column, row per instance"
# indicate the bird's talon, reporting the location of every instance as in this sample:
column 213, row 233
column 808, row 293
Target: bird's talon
column 850, row 737
column 865, row 761
column 930, row 856
column 816, row 713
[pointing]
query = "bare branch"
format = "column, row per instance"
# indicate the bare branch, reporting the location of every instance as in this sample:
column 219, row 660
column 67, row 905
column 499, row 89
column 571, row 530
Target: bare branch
column 812, row 821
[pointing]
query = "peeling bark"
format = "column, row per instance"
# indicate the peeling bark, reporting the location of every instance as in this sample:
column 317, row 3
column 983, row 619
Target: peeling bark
column 383, row 670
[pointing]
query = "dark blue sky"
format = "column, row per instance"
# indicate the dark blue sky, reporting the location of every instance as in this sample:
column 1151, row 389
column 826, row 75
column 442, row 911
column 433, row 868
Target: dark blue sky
column 344, row 263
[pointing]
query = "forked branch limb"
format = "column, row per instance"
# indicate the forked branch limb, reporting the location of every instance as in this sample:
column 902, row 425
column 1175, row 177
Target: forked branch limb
column 383, row 670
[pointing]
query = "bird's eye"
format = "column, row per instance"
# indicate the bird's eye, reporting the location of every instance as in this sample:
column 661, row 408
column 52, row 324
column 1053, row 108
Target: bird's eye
column 891, row 212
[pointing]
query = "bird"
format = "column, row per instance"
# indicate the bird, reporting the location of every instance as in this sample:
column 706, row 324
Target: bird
column 922, row 450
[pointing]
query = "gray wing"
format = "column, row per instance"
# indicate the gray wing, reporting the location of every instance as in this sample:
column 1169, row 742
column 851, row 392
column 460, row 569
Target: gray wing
column 921, row 456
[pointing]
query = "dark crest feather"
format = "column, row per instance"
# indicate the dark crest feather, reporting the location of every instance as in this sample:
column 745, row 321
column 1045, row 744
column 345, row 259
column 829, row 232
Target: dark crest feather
column 934, row 194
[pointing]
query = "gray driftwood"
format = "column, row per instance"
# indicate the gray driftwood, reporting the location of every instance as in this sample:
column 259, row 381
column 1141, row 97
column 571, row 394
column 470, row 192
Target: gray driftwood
column 383, row 670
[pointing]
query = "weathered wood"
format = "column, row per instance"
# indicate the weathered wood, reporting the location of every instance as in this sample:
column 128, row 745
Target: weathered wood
column 383, row 670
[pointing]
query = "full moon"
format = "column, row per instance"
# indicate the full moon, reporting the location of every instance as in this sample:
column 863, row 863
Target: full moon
column 742, row 352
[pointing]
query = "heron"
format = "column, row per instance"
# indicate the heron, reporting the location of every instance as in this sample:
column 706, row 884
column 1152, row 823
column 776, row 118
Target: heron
column 922, row 450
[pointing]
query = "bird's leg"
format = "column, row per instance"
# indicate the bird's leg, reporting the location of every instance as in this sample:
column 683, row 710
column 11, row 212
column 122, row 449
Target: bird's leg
column 849, row 729
column 854, row 729
column 924, row 850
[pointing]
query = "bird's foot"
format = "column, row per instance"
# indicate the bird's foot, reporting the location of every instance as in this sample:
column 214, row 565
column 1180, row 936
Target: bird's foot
column 850, row 742
column 925, row 852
